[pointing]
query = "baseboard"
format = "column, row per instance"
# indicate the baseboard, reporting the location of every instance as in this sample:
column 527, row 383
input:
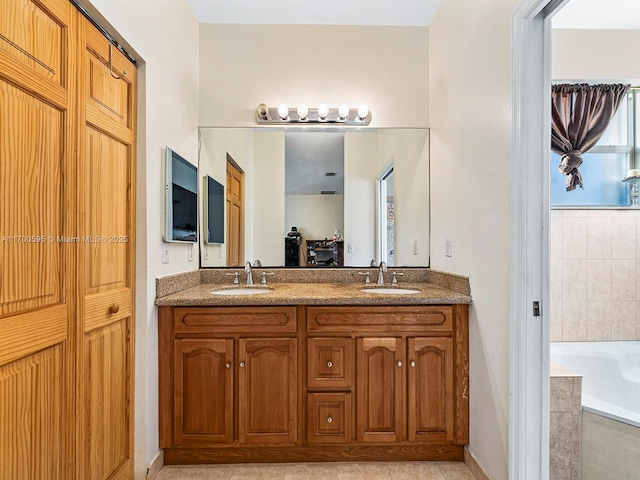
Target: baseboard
column 474, row 466
column 156, row 464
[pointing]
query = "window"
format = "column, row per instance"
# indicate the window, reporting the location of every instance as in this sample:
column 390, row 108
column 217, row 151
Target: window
column 604, row 166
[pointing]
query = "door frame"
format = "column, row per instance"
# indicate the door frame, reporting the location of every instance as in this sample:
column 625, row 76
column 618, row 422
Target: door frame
column 529, row 237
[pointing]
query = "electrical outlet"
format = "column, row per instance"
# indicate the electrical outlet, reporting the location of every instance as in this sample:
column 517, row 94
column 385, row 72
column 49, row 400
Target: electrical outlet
column 350, row 248
column 190, row 252
column 165, row 253
column 415, row 247
column 447, row 246
column 206, row 252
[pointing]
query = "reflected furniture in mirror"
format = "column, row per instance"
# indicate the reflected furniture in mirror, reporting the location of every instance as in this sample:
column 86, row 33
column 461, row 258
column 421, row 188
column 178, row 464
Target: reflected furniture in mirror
column 323, row 181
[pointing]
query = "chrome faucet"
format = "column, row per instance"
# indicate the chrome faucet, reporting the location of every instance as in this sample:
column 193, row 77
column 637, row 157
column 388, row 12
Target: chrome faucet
column 247, row 270
column 381, row 269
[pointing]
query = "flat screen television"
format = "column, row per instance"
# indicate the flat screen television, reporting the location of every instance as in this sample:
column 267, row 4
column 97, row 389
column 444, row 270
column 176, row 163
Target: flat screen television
column 213, row 210
column 181, row 199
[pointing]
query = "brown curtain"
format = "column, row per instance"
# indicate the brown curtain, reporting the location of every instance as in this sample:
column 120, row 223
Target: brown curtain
column 580, row 114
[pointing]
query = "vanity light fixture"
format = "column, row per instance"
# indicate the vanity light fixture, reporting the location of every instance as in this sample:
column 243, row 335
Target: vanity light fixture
column 343, row 115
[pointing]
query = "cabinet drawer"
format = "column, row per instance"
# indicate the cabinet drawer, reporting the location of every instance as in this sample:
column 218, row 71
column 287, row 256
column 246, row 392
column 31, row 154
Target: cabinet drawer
column 329, row 362
column 428, row 318
column 328, row 417
column 235, row 320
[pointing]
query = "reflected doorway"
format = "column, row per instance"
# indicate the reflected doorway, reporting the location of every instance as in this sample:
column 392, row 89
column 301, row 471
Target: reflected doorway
column 386, row 215
column 235, row 213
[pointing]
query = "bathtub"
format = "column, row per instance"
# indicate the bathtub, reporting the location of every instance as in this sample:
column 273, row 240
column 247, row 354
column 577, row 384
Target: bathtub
column 610, row 426
column 610, row 376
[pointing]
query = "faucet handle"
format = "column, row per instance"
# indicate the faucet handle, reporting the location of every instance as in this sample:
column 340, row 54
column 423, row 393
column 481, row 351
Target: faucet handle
column 395, row 280
column 235, row 278
column 264, row 277
column 367, row 280
column 257, row 263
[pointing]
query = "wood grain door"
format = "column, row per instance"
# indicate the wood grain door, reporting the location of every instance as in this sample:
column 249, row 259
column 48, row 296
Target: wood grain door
column 106, row 170
column 37, row 215
column 235, row 214
column 267, row 394
column 379, row 389
column 430, row 389
column 203, row 392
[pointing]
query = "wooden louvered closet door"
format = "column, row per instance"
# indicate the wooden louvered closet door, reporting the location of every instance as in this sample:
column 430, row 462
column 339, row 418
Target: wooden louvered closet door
column 66, row 174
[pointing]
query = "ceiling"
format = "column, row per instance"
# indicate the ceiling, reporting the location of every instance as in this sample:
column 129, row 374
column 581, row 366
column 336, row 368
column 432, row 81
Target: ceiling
column 309, row 156
column 599, row 14
column 317, row 12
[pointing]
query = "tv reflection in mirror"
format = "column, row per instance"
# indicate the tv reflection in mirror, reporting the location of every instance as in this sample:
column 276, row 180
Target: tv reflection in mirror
column 214, row 210
column 181, row 199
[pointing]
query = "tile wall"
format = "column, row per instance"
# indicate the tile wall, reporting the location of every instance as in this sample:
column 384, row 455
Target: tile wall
column 595, row 273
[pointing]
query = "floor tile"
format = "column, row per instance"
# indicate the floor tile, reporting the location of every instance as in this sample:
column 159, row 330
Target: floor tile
column 363, row 471
column 311, row 471
column 195, row 472
column 455, row 471
column 255, row 471
column 414, row 471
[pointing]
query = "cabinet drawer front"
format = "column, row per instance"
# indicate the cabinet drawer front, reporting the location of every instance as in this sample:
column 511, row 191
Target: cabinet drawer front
column 330, row 362
column 328, row 417
column 235, row 319
column 430, row 318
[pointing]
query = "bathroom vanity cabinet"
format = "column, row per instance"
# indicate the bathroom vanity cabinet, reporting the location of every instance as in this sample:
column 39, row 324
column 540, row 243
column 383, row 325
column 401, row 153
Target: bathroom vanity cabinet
column 313, row 383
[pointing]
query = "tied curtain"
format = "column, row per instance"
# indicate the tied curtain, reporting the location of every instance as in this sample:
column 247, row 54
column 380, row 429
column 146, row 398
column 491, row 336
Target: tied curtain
column 580, row 114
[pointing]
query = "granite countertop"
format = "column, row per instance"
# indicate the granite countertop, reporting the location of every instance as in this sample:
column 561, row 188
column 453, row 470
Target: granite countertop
column 315, row 294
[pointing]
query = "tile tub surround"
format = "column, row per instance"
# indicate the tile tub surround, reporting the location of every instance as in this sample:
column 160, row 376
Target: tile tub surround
column 565, row 429
column 595, row 274
column 312, row 286
column 321, row 471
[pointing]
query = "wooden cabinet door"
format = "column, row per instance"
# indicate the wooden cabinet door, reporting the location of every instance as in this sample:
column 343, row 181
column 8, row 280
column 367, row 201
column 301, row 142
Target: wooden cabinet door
column 379, row 389
column 430, row 389
column 267, row 393
column 106, row 204
column 203, row 392
column 37, row 214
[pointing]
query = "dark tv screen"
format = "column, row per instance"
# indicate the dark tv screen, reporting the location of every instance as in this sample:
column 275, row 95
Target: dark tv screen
column 215, row 211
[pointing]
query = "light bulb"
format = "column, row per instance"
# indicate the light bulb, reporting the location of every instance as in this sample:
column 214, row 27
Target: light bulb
column 283, row 111
column 363, row 111
column 303, row 111
column 343, row 111
column 323, row 111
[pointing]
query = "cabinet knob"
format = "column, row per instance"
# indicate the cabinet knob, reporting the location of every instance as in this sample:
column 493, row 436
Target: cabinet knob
column 399, row 363
column 329, row 420
column 412, row 363
column 242, row 364
column 114, row 308
column 329, row 364
column 227, row 365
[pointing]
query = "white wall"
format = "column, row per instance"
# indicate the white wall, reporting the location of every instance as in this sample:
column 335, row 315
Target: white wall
column 595, row 54
column 470, row 120
column 163, row 35
column 316, row 216
column 268, row 214
column 244, row 65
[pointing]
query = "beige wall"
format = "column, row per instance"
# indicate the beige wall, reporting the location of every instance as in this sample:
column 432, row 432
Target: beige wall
column 595, row 55
column 168, row 83
column 470, row 120
column 316, row 216
column 595, row 259
column 383, row 67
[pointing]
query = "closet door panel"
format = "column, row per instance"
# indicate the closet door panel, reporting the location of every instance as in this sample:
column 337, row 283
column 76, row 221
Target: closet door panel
column 106, row 169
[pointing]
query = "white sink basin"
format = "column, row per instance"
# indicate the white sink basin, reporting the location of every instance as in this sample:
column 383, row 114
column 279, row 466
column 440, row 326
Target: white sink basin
column 390, row 290
column 241, row 291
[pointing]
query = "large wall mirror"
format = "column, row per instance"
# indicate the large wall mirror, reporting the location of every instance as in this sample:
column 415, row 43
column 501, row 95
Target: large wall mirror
column 319, row 197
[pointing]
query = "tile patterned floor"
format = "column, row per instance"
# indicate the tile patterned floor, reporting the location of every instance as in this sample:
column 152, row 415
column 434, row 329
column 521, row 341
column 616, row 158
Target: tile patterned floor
column 320, row 471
